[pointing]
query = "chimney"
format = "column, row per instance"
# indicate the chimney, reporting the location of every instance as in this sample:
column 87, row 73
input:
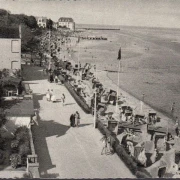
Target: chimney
column 20, row 31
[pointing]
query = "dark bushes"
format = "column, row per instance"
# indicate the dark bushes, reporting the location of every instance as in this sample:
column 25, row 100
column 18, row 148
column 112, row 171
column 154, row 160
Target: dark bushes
column 15, row 160
column 130, row 162
column 20, row 147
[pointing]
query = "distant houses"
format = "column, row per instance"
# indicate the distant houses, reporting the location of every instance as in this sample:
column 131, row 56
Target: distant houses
column 41, row 21
column 55, row 25
column 10, row 45
column 65, row 22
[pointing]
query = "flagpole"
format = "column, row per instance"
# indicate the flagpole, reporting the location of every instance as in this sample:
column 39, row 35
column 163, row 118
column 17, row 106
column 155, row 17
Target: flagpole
column 78, row 61
column 95, row 97
column 119, row 65
column 118, row 87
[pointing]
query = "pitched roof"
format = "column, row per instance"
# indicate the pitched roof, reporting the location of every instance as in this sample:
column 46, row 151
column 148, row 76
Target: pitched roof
column 65, row 19
column 9, row 32
column 40, row 17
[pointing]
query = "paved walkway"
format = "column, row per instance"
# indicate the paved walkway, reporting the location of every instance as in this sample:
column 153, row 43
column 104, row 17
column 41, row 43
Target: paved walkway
column 63, row 151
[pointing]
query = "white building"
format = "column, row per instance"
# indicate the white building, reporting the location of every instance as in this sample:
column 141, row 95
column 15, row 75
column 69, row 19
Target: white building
column 55, row 25
column 41, row 21
column 10, row 48
column 66, row 22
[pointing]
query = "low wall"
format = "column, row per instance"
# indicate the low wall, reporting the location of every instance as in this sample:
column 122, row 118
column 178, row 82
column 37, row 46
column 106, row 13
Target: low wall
column 81, row 102
column 139, row 172
column 32, row 160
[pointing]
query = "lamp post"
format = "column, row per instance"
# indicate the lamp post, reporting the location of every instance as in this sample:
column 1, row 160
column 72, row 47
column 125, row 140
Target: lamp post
column 95, row 97
column 141, row 103
column 119, row 65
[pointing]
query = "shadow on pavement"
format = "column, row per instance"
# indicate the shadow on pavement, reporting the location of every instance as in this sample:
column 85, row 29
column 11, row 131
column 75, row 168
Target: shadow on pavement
column 55, row 175
column 40, row 133
column 36, row 98
column 82, row 125
column 67, row 104
column 46, row 128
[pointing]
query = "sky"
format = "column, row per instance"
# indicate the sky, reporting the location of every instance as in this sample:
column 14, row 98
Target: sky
column 150, row 13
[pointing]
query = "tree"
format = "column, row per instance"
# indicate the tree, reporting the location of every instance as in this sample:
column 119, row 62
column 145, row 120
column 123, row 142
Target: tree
column 32, row 23
column 49, row 24
column 3, row 12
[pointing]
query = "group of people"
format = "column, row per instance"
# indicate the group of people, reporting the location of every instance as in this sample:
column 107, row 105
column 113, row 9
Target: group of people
column 75, row 119
column 51, row 97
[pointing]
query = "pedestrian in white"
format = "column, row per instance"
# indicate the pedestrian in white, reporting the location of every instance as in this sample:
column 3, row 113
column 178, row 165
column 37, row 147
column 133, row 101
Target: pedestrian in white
column 63, row 99
column 53, row 98
column 34, row 119
column 56, row 79
column 48, row 95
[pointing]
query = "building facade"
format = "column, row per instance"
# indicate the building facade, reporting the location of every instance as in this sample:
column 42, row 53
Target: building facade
column 55, row 25
column 67, row 23
column 10, row 52
column 41, row 21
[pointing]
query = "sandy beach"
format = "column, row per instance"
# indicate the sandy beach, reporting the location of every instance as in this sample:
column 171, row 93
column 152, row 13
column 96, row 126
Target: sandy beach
column 150, row 60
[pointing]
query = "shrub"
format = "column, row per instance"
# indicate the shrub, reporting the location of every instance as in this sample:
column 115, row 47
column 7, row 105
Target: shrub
column 15, row 160
column 14, row 145
column 22, row 134
column 24, row 149
column 20, row 147
column 2, row 157
column 2, row 143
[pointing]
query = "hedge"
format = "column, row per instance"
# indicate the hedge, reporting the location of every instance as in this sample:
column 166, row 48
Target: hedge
column 130, row 162
column 80, row 100
column 20, row 147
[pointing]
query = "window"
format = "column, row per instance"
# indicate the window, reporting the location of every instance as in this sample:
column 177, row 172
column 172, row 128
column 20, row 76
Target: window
column 15, row 46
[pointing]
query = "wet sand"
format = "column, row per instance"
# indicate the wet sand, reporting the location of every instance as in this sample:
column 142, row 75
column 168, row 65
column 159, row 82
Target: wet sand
column 150, row 60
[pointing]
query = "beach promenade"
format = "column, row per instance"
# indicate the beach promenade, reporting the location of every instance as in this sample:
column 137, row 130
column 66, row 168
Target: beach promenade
column 63, row 151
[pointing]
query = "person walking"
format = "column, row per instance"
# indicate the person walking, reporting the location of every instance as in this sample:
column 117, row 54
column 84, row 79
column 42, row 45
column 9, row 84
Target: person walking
column 48, row 97
column 51, row 78
column 51, row 93
column 34, row 119
column 53, row 98
column 77, row 118
column 63, row 99
column 56, row 79
column 72, row 120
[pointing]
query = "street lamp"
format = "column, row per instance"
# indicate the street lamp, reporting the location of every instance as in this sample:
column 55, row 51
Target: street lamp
column 141, row 108
column 95, row 97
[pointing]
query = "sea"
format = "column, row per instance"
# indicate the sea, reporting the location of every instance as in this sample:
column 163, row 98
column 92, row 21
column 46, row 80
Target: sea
column 150, row 61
